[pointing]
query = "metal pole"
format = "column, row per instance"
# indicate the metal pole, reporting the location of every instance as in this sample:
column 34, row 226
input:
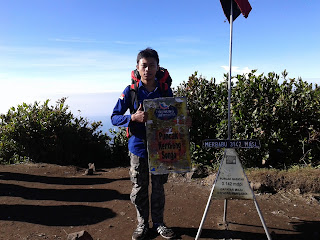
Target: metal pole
column 225, row 207
column 209, row 201
column 205, row 213
column 230, row 71
column 229, row 98
column 258, row 210
column 261, row 218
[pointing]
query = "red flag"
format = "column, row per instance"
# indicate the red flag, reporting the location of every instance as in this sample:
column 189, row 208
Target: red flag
column 244, row 6
column 238, row 6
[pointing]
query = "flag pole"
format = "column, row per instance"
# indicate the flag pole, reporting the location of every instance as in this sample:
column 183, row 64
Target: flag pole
column 229, row 99
column 230, row 71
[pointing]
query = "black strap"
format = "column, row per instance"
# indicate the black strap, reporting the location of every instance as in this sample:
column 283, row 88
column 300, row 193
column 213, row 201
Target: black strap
column 134, row 98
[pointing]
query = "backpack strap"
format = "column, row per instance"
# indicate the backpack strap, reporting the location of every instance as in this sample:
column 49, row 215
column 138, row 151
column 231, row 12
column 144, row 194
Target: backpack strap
column 133, row 96
column 135, row 76
column 134, row 99
column 164, row 80
column 164, row 89
column 163, row 76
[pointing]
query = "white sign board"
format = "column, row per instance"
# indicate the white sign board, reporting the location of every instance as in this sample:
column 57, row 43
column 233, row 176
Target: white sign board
column 231, row 181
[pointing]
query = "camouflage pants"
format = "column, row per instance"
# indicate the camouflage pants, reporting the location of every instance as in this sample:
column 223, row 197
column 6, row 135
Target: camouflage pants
column 139, row 175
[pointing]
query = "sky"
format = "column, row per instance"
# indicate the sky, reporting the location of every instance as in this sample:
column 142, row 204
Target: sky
column 85, row 50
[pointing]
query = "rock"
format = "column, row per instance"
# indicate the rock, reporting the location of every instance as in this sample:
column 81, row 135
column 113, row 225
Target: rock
column 200, row 172
column 260, row 187
column 255, row 186
column 189, row 175
column 297, row 191
column 82, row 235
column 90, row 170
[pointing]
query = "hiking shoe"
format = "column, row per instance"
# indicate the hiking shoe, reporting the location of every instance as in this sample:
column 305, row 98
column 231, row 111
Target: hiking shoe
column 140, row 233
column 164, row 231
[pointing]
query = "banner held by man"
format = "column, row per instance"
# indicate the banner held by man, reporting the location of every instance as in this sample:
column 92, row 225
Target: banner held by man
column 167, row 135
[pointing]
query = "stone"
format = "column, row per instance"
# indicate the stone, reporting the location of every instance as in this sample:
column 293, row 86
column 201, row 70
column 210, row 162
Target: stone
column 297, row 191
column 82, row 235
column 255, row 186
column 90, row 170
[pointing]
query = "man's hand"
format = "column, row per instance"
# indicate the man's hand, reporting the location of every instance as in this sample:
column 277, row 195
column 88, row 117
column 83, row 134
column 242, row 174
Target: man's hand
column 140, row 115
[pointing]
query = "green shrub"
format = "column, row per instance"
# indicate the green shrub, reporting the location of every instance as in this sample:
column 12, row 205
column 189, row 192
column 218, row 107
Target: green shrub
column 52, row 134
column 208, row 106
column 284, row 117
column 119, row 147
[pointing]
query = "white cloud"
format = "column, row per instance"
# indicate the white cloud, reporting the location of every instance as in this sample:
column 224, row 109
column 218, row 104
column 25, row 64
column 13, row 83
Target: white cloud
column 28, row 57
column 29, row 74
column 237, row 70
column 75, row 40
column 16, row 91
column 125, row 42
column 180, row 40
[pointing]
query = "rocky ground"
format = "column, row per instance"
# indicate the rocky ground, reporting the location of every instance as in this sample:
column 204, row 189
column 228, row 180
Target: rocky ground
column 44, row 201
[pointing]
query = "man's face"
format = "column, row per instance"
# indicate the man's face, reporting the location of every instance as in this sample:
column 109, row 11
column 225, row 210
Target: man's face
column 147, row 68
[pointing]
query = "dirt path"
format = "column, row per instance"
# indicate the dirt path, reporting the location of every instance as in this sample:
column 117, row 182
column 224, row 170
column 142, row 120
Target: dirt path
column 41, row 201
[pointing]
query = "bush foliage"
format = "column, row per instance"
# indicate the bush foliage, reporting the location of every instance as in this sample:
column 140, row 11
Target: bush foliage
column 284, row 114
column 119, row 147
column 52, row 134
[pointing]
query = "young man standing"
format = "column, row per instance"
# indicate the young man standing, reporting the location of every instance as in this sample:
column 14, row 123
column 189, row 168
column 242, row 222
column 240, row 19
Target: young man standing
column 148, row 88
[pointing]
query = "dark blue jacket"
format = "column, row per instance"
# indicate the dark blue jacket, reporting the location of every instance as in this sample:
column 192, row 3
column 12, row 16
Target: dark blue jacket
column 137, row 140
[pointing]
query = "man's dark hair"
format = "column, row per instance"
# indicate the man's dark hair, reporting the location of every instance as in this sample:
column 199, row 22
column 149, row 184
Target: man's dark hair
column 148, row 53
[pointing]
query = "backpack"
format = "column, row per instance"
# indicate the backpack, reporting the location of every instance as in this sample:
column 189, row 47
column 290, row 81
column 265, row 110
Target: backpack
column 164, row 80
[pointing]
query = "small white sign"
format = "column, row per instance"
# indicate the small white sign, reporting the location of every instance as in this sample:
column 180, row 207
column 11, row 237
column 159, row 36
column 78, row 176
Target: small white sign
column 231, row 181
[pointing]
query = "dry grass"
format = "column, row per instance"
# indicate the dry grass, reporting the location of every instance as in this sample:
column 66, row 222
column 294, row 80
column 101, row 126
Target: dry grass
column 304, row 180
